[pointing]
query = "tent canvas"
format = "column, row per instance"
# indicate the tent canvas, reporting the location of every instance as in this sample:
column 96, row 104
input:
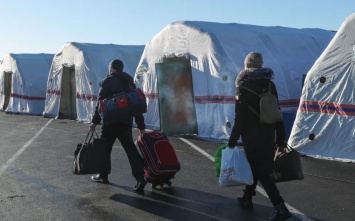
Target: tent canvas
column 77, row 69
column 23, row 80
column 216, row 54
column 324, row 125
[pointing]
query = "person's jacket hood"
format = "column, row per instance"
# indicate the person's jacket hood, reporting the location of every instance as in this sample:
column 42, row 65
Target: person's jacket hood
column 254, row 74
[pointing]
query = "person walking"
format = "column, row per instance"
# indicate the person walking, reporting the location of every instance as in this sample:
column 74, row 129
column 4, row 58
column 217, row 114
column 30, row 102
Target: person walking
column 259, row 139
column 118, row 81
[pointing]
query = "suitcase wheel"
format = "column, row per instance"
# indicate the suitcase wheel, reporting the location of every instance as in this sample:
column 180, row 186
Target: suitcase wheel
column 154, row 185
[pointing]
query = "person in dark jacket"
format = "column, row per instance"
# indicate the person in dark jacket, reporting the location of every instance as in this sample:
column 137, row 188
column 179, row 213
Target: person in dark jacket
column 258, row 138
column 118, row 81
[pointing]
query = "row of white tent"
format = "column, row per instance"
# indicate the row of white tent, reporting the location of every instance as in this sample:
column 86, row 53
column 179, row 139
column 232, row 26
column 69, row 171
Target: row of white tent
column 187, row 72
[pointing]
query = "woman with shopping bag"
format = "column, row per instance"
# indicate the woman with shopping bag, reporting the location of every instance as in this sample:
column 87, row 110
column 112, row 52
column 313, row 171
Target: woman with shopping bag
column 258, row 137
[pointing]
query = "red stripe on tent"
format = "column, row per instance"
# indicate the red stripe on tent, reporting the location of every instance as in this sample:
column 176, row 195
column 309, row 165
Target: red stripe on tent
column 289, row 103
column 78, row 96
column 25, row 97
column 56, row 92
column 215, row 99
column 86, row 96
column 219, row 99
column 151, row 96
column 327, row 108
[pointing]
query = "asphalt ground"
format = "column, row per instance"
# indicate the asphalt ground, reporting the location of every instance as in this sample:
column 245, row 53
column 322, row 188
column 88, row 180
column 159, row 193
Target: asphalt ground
column 37, row 182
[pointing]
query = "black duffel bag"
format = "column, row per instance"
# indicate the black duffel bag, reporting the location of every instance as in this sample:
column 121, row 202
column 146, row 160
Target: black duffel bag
column 287, row 164
column 92, row 156
column 123, row 105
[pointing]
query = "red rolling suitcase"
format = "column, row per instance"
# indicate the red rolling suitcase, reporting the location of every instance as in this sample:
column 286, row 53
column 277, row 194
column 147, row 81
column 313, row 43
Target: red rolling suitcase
column 161, row 162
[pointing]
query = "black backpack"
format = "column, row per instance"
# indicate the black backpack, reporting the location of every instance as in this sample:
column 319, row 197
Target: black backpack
column 269, row 112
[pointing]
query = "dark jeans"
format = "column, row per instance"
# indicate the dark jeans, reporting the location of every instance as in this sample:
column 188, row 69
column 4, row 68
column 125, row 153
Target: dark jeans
column 262, row 165
column 124, row 134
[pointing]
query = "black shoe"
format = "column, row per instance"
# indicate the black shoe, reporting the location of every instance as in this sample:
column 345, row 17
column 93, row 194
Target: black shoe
column 100, row 178
column 140, row 185
column 281, row 213
column 245, row 201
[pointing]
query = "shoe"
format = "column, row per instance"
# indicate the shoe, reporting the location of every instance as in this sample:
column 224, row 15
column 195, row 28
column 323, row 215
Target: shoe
column 140, row 184
column 281, row 213
column 100, row 178
column 245, row 201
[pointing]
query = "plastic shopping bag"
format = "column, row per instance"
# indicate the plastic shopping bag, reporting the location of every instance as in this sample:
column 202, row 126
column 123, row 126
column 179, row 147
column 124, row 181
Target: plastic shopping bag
column 235, row 168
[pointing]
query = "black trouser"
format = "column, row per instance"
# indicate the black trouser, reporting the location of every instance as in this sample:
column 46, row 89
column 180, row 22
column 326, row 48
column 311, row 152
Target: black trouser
column 124, row 134
column 262, row 165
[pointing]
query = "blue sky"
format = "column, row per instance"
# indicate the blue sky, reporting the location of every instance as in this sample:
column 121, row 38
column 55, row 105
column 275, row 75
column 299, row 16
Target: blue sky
column 44, row 26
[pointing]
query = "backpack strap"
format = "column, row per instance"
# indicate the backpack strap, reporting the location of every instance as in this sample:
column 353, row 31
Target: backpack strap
column 257, row 113
column 251, row 91
column 250, row 107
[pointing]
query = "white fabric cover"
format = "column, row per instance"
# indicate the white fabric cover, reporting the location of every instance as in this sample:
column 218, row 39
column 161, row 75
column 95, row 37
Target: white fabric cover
column 28, row 87
column 217, row 53
column 91, row 63
column 327, row 109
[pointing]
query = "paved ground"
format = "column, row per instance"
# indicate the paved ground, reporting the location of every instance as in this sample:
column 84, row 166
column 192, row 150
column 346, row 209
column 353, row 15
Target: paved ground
column 37, row 183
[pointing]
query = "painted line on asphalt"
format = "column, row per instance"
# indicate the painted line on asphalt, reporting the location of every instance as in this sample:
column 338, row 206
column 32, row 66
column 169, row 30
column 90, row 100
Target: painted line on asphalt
column 4, row 167
column 293, row 210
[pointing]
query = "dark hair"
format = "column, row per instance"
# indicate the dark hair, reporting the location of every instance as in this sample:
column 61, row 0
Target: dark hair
column 117, row 65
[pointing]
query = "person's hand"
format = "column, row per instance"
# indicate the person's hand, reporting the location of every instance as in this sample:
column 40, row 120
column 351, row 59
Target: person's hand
column 141, row 132
column 92, row 126
column 282, row 144
column 231, row 143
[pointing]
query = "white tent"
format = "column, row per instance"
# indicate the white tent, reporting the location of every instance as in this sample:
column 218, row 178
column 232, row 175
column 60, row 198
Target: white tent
column 23, row 80
column 325, row 122
column 77, row 69
column 216, row 54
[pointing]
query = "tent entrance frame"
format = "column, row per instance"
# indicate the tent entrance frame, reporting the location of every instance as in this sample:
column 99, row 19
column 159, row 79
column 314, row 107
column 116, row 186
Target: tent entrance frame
column 68, row 95
column 177, row 113
column 7, row 88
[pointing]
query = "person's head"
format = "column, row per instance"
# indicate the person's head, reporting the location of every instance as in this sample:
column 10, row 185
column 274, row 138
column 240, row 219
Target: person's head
column 253, row 60
column 116, row 65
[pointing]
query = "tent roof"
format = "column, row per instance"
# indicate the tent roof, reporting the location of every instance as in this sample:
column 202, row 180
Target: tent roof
column 75, row 53
column 290, row 52
column 28, row 64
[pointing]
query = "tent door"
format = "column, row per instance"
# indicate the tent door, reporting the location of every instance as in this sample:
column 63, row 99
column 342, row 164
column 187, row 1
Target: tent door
column 67, row 107
column 176, row 99
column 7, row 88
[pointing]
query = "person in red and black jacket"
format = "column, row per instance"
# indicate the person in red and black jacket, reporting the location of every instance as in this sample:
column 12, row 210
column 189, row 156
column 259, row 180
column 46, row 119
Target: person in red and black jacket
column 118, row 81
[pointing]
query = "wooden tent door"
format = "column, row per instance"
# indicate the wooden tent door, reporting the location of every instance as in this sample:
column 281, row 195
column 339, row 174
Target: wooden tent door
column 67, row 106
column 176, row 99
column 7, row 89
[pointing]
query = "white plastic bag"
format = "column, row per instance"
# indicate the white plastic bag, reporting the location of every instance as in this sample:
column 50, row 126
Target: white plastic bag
column 235, row 168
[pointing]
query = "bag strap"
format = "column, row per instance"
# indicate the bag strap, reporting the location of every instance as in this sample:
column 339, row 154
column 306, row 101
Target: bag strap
column 270, row 87
column 90, row 134
column 250, row 90
column 259, row 95
column 288, row 147
column 253, row 92
column 250, row 107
